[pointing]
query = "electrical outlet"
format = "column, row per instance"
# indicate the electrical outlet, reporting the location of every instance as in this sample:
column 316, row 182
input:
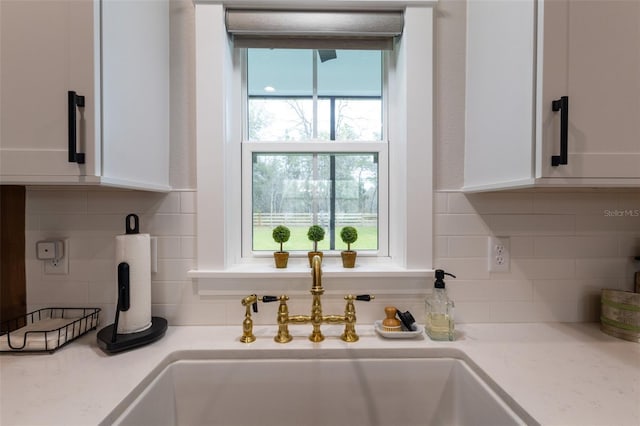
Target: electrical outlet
column 499, row 254
column 58, row 266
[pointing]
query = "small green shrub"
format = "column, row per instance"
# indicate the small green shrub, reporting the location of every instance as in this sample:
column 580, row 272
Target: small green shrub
column 315, row 234
column 281, row 235
column 349, row 235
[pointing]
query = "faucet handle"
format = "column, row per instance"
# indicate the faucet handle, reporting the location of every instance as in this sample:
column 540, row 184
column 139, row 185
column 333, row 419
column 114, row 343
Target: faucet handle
column 365, row 297
column 251, row 300
column 269, row 299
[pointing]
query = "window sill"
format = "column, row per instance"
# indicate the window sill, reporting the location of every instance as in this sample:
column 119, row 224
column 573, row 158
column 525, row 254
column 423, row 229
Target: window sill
column 377, row 277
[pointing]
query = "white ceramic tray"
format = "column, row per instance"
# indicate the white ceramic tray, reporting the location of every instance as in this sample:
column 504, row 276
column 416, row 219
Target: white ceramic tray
column 417, row 331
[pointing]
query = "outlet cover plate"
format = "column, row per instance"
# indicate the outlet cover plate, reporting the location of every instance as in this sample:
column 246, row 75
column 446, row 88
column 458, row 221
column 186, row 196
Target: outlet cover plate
column 499, row 254
column 58, row 266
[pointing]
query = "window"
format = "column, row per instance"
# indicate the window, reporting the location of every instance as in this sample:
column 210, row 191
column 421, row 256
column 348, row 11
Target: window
column 404, row 142
column 295, row 100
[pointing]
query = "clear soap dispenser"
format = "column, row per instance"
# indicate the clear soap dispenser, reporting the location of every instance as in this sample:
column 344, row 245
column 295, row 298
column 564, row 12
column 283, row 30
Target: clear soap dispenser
column 439, row 324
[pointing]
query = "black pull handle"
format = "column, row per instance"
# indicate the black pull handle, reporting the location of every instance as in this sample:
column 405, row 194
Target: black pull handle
column 364, row 297
column 268, row 299
column 124, row 300
column 75, row 101
column 562, row 105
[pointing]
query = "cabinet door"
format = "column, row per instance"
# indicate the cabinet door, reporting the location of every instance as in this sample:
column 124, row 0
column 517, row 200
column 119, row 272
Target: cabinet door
column 500, row 94
column 602, row 76
column 46, row 50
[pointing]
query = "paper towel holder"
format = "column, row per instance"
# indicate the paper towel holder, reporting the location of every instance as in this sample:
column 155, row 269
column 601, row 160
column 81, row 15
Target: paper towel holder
column 109, row 340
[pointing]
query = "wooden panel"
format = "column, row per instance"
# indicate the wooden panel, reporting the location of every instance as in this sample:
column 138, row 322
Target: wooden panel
column 13, row 288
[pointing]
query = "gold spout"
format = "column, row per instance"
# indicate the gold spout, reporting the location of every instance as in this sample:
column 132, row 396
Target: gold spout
column 316, row 305
column 316, row 273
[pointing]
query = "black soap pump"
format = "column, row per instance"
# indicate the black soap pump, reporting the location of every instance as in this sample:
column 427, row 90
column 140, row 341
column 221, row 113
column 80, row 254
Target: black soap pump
column 439, row 323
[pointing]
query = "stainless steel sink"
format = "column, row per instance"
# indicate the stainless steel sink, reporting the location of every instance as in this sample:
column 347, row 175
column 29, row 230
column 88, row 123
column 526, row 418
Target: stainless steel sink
column 332, row 387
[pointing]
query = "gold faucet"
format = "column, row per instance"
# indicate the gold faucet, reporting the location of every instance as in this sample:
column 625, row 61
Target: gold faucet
column 317, row 318
column 247, row 324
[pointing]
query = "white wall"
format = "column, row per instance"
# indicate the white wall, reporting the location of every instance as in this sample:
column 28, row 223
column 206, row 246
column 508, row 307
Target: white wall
column 564, row 246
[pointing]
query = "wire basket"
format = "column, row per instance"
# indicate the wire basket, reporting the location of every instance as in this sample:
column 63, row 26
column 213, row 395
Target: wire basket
column 47, row 329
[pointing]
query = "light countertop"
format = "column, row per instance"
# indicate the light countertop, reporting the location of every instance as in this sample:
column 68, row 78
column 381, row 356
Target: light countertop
column 561, row 374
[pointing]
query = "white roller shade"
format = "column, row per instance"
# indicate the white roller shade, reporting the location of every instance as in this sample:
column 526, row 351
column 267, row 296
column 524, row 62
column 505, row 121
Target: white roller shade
column 314, row 29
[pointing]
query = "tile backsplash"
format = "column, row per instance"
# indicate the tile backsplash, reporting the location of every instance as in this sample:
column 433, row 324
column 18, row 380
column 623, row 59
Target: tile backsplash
column 565, row 247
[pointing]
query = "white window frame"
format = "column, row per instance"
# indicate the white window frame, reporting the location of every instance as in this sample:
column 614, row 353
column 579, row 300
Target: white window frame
column 379, row 147
column 220, row 266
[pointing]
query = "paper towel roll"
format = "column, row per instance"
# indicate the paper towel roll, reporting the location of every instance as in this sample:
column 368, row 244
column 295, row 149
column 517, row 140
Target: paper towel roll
column 135, row 249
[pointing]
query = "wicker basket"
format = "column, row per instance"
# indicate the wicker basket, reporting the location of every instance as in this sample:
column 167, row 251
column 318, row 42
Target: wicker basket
column 620, row 314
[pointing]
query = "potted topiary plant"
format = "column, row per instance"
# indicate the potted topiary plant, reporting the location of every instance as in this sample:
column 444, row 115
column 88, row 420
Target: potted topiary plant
column 349, row 235
column 281, row 235
column 315, row 234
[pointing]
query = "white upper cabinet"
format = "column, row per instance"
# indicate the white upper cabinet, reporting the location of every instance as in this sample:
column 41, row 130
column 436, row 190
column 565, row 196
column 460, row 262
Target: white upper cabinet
column 532, row 65
column 114, row 55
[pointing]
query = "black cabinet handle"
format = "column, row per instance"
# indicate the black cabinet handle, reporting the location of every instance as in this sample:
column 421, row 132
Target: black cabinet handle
column 562, row 105
column 75, row 101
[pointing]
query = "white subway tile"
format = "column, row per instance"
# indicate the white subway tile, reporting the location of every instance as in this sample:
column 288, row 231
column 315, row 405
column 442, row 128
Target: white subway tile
column 167, row 292
column 173, row 269
column 532, row 269
column 459, row 203
column 138, row 202
column 562, row 256
column 441, row 247
column 170, row 203
column 608, row 268
column 521, row 246
column 459, row 224
column 440, row 202
column 82, row 247
column 31, row 221
column 188, row 247
column 594, row 224
column 576, row 247
column 188, row 202
column 103, row 292
column 527, row 224
column 172, row 225
column 574, row 203
column 463, row 246
column 490, row 290
column 68, row 224
column 629, row 223
column 56, row 201
column 471, row 312
column 501, row 202
column 169, row 248
column 629, row 245
column 192, row 314
column 59, row 293
column 565, row 290
column 92, row 270
column 628, row 201
column 521, row 312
